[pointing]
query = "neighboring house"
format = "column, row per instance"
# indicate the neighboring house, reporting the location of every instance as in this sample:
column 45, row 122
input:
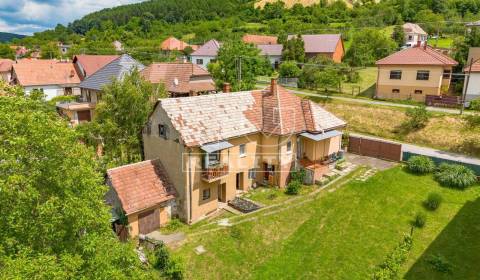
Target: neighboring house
column 273, row 53
column 413, row 73
column 63, row 48
column 206, row 53
column 20, row 51
column 87, row 65
column 53, row 77
column 213, row 146
column 259, row 39
column 329, row 45
column 472, row 91
column 91, row 88
column 6, row 69
column 173, row 44
column 180, row 79
column 415, row 36
column 117, row 45
column 143, row 193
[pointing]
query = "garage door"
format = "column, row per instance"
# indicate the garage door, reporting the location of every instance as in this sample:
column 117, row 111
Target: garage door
column 84, row 115
column 149, row 221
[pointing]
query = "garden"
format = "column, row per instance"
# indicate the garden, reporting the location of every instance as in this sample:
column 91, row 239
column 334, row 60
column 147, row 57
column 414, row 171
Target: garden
column 404, row 221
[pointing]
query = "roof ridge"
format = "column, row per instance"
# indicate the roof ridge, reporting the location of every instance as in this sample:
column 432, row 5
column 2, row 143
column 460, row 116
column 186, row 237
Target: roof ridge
column 132, row 164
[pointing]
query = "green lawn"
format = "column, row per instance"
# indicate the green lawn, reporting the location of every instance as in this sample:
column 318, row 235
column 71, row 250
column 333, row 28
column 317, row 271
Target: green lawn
column 442, row 42
column 345, row 234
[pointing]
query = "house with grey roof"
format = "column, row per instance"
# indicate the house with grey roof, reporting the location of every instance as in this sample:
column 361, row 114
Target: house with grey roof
column 273, row 52
column 329, row 45
column 206, row 53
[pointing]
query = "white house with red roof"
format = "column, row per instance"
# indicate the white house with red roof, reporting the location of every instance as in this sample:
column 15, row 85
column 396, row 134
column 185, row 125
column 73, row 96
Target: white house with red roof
column 206, row 53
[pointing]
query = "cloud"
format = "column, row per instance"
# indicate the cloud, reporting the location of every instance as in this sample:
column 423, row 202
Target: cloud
column 29, row 16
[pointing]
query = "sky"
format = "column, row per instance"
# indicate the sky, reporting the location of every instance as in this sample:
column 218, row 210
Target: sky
column 29, row 16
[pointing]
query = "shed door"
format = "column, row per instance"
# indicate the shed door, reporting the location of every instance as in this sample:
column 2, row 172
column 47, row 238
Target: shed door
column 84, row 115
column 149, row 221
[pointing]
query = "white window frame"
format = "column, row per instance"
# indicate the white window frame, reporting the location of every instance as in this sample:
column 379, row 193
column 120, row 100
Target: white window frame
column 242, row 150
column 289, row 146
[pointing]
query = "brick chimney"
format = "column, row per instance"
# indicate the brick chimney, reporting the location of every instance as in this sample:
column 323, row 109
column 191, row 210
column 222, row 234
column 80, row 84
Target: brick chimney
column 226, row 87
column 419, row 43
column 273, row 85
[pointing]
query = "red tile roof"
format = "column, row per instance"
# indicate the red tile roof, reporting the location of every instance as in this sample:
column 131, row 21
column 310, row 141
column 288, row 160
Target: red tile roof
column 259, row 39
column 32, row 72
column 173, row 44
column 179, row 77
column 417, row 56
column 141, row 185
column 320, row 43
column 5, row 65
column 475, row 67
column 92, row 63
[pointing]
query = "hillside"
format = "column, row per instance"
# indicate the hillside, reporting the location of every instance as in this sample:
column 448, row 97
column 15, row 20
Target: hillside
column 7, row 37
column 290, row 3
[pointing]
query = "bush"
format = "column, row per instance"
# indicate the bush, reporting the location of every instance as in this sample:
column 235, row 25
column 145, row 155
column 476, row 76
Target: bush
column 391, row 266
column 420, row 164
column 173, row 225
column 433, row 201
column 175, row 270
column 472, row 120
column 289, row 69
column 417, row 118
column 172, row 268
column 455, row 176
column 293, row 187
column 475, row 104
column 440, row 264
column 162, row 257
column 420, row 220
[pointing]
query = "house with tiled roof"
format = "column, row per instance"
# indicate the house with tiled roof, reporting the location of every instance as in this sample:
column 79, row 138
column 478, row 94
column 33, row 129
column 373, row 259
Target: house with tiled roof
column 206, row 53
column 91, row 87
column 414, row 73
column 414, row 35
column 87, row 65
column 180, row 79
column 329, row 45
column 214, row 146
column 143, row 193
column 5, row 69
column 53, row 77
column 472, row 90
column 174, row 44
column 272, row 52
column 260, row 39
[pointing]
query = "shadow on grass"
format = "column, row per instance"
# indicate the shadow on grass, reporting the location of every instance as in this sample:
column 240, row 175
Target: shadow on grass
column 369, row 92
column 458, row 244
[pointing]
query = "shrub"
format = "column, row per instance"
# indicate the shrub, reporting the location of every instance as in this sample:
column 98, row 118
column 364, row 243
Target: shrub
column 391, row 266
column 173, row 225
column 174, row 270
column 420, row 164
column 475, row 104
column 289, row 69
column 472, row 120
column 420, row 220
column 455, row 176
column 417, row 118
column 433, row 201
column 293, row 187
column 298, row 175
column 440, row 264
column 162, row 257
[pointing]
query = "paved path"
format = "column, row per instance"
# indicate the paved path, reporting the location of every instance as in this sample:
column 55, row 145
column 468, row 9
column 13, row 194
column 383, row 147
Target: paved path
column 168, row 239
column 382, row 103
column 427, row 151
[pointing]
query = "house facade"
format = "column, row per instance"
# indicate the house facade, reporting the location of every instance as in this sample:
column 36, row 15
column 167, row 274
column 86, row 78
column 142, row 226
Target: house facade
column 205, row 54
column 53, row 77
column 329, row 45
column 414, row 73
column 472, row 90
column 414, row 35
column 6, row 69
column 174, row 44
column 215, row 146
column 273, row 53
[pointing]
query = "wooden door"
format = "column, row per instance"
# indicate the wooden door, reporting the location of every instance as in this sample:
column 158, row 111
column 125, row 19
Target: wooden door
column 148, row 221
column 84, row 116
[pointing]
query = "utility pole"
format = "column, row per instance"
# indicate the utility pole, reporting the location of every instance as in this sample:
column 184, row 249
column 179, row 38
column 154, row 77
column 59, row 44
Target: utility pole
column 464, row 95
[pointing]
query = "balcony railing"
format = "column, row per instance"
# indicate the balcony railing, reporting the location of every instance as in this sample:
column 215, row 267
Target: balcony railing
column 212, row 173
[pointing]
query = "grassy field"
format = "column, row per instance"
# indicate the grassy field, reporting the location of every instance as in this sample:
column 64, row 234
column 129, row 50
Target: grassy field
column 345, row 234
column 443, row 131
column 442, row 42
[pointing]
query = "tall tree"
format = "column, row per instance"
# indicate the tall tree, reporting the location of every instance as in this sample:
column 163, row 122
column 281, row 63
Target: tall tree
column 294, row 49
column 55, row 224
column 6, row 52
column 368, row 46
column 398, row 35
column 120, row 117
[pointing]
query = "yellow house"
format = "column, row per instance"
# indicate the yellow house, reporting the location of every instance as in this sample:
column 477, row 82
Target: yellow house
column 216, row 146
column 414, row 73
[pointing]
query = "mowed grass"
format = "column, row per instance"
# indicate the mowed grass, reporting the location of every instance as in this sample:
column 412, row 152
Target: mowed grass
column 343, row 234
column 443, row 131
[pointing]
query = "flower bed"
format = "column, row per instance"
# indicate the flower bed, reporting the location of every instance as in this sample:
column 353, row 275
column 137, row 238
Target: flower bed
column 243, row 205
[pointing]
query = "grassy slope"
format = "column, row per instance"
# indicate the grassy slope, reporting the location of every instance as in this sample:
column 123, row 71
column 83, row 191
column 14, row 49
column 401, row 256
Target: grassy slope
column 340, row 235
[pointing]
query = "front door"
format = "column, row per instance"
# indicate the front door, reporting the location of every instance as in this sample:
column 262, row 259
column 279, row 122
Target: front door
column 84, row 116
column 239, row 181
column 148, row 221
column 222, row 192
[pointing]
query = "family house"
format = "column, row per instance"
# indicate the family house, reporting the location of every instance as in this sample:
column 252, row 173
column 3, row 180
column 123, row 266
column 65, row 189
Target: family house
column 86, row 65
column 53, row 77
column 414, row 35
column 414, row 73
column 173, row 44
column 329, row 45
column 472, row 90
column 272, row 52
column 260, row 39
column 6, row 69
column 206, row 53
column 213, row 146
column 143, row 193
column 91, row 87
column 180, row 79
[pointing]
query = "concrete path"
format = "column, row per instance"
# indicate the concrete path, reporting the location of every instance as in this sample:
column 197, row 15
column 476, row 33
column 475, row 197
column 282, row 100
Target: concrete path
column 168, row 239
column 427, row 151
column 382, row 103
column 376, row 163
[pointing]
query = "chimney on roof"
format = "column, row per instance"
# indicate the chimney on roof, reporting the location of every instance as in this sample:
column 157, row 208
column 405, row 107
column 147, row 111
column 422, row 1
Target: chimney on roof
column 273, row 85
column 226, row 87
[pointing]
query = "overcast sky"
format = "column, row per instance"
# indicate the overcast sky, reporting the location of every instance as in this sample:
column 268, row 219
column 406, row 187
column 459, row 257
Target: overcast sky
column 29, row 16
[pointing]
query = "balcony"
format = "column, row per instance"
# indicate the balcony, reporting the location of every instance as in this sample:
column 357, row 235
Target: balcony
column 213, row 173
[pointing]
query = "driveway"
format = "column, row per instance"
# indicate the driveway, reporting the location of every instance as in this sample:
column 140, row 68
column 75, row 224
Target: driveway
column 376, row 163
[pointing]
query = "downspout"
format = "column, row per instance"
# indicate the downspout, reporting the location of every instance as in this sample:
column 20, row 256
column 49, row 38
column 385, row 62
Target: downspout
column 278, row 160
column 190, row 186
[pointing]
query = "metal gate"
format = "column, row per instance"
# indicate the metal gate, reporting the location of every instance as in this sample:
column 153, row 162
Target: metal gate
column 375, row 148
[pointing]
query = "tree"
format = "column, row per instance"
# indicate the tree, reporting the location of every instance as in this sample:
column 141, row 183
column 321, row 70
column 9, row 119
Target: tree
column 6, row 52
column 54, row 221
column 50, row 51
column 320, row 72
column 120, row 117
column 369, row 46
column 399, row 35
column 327, row 78
column 294, row 49
column 289, row 69
column 235, row 58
